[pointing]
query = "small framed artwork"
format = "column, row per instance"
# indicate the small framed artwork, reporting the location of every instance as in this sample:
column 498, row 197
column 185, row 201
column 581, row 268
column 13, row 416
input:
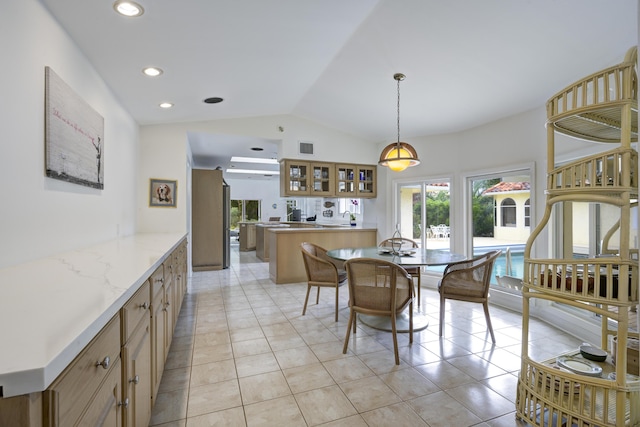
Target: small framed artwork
column 163, row 193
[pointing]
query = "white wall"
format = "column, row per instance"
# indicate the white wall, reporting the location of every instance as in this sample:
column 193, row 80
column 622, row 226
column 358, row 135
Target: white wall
column 164, row 152
column 41, row 216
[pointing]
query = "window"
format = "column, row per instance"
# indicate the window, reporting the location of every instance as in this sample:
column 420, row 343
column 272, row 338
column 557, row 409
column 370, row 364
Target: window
column 508, row 212
column 498, row 216
column 353, row 206
column 244, row 210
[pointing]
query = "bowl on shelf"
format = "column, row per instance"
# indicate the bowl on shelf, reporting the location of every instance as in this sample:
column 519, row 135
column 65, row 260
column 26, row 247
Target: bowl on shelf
column 593, row 353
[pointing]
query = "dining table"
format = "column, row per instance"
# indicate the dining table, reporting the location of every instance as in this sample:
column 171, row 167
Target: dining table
column 406, row 257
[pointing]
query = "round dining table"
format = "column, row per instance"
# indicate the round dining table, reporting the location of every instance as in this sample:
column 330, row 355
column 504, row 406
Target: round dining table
column 408, row 257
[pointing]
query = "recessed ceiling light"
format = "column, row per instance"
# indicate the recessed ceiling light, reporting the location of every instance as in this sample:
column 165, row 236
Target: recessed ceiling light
column 152, row 71
column 254, row 160
column 253, row 171
column 166, row 105
column 128, row 8
column 213, row 100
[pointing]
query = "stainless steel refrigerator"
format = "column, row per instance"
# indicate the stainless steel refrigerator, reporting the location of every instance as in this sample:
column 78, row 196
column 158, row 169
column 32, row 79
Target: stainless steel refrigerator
column 226, row 224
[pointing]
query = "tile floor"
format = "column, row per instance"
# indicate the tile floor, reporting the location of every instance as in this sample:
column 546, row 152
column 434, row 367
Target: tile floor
column 243, row 355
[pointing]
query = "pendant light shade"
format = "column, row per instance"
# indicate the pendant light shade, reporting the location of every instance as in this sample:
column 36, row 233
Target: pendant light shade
column 399, row 155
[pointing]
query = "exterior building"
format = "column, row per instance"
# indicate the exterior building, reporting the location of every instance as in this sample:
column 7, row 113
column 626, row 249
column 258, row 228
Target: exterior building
column 512, row 210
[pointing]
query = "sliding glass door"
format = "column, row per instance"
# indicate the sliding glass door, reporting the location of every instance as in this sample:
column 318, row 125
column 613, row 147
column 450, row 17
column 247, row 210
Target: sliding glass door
column 424, row 213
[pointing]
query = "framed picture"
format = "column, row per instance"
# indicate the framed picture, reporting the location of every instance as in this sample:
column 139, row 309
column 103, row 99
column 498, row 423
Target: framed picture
column 74, row 136
column 163, row 193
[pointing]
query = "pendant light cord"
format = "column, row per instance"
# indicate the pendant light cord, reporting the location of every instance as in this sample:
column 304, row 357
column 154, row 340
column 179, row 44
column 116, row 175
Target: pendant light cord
column 398, row 112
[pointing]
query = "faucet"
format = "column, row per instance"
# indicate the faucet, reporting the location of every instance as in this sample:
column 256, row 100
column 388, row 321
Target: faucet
column 351, row 216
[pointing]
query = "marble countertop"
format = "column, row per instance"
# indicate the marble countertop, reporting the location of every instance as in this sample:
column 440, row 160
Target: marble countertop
column 51, row 308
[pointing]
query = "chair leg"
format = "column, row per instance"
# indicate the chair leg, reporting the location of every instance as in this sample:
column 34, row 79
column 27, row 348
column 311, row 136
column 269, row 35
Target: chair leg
column 441, row 313
column 318, row 296
column 395, row 338
column 337, row 294
column 411, row 322
column 306, row 300
column 346, row 339
column 419, row 285
column 485, row 305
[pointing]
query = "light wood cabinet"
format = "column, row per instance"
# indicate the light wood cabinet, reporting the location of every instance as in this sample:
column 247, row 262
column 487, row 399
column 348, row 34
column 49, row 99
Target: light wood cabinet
column 356, row 181
column 207, row 220
column 158, row 323
column 136, row 356
column 346, row 184
column 322, row 179
column 169, row 315
column 136, row 378
column 294, row 178
column 90, row 385
column 366, row 184
column 325, row 179
column 107, row 405
column 247, row 236
column 114, row 380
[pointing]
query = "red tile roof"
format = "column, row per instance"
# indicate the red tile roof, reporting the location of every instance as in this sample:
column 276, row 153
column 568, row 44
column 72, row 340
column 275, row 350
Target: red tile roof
column 505, row 187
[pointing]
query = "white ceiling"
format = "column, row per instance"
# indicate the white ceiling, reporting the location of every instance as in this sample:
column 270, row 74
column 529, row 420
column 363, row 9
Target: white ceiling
column 467, row 62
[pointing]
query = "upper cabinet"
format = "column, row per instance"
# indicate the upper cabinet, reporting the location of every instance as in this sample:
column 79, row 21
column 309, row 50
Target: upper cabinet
column 356, row 181
column 294, row 178
column 324, row 179
column 366, row 181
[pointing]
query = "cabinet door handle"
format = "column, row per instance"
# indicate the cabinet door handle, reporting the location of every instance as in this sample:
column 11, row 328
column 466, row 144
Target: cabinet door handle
column 144, row 306
column 161, row 280
column 105, row 362
column 125, row 403
column 135, row 379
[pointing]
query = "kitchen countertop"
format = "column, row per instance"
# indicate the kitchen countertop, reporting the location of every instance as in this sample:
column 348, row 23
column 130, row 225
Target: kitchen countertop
column 51, row 308
column 315, row 227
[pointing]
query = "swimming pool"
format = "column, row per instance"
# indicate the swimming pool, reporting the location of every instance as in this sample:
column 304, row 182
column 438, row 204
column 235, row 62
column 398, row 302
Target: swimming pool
column 500, row 265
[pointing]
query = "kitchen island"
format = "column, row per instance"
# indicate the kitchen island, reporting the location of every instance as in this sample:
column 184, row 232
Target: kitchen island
column 285, row 261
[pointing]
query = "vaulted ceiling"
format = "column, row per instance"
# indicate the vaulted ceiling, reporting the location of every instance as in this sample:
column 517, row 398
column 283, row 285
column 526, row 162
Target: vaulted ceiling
column 467, row 62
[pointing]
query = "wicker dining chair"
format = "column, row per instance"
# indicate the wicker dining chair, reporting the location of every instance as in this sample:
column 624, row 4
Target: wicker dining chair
column 404, row 243
column 378, row 288
column 468, row 281
column 322, row 272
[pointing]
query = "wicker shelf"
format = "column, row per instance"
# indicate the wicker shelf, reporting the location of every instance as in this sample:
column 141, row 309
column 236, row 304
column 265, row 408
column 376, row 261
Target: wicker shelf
column 602, row 108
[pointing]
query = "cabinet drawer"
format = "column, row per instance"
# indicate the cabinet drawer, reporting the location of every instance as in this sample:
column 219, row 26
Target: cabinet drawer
column 71, row 392
column 157, row 280
column 134, row 310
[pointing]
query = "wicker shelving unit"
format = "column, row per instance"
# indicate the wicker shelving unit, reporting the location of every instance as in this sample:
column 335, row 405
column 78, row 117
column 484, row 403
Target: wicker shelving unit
column 602, row 108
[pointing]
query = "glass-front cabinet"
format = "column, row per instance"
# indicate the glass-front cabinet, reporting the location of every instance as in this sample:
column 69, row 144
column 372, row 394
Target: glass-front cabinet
column 294, row 178
column 325, row 179
column 367, row 181
column 322, row 179
column 346, row 180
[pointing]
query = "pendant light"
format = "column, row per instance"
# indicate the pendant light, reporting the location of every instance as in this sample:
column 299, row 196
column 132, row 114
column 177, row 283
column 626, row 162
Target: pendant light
column 398, row 155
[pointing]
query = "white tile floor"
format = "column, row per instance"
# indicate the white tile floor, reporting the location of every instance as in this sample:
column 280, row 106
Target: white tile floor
column 243, row 355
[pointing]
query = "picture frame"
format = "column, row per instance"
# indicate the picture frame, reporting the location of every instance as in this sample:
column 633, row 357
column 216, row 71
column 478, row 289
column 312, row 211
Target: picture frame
column 163, row 193
column 74, row 135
